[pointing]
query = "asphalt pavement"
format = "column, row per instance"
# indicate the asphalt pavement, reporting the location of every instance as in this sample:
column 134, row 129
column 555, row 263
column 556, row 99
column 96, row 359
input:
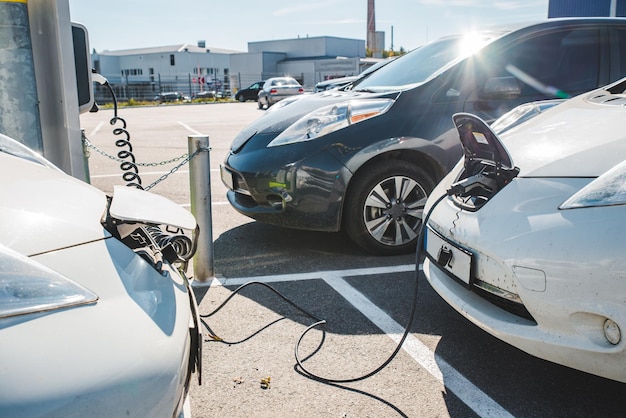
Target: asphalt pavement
column 253, row 345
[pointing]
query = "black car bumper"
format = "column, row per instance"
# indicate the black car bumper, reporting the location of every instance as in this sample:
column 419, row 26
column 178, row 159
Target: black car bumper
column 307, row 194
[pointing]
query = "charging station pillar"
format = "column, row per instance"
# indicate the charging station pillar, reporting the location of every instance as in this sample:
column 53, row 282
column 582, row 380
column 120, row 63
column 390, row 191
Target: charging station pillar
column 19, row 118
column 55, row 71
column 200, row 196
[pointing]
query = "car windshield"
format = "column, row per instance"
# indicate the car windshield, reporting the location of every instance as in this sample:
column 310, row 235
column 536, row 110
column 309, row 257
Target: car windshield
column 423, row 63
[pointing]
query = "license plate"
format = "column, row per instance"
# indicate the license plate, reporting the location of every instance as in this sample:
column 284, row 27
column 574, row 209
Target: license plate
column 227, row 177
column 454, row 260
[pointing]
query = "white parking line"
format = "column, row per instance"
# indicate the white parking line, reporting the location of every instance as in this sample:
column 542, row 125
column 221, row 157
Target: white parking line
column 96, row 129
column 447, row 375
column 190, row 129
column 147, row 173
column 143, row 173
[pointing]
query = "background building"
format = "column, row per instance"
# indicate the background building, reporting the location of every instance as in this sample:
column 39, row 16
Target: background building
column 142, row 74
column 308, row 60
column 581, row 8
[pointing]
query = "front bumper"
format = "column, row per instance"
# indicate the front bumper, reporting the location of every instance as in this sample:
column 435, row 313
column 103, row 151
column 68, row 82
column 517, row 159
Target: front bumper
column 307, row 194
column 564, row 268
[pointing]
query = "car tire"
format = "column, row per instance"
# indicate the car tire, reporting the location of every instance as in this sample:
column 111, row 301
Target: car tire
column 384, row 207
column 241, row 98
column 260, row 103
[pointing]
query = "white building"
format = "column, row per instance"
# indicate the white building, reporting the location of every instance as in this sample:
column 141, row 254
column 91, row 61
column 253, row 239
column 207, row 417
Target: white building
column 143, row 73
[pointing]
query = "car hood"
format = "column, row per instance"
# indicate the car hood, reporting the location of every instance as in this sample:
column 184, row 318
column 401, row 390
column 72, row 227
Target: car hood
column 282, row 115
column 582, row 137
column 35, row 220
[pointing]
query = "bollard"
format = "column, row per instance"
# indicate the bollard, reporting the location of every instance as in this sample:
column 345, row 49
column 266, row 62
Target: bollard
column 200, row 194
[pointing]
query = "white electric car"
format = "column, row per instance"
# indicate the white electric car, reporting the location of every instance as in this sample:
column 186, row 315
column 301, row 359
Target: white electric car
column 96, row 315
column 527, row 234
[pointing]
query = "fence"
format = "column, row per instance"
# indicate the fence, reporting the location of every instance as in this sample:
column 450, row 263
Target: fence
column 187, row 85
column 141, row 89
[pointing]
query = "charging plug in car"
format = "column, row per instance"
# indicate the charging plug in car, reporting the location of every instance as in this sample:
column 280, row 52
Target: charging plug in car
column 467, row 186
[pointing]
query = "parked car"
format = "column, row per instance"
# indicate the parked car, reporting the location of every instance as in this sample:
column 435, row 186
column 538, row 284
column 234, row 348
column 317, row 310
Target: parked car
column 97, row 318
column 249, row 93
column 363, row 159
column 334, row 83
column 172, row 96
column 528, row 239
column 204, row 95
column 340, row 82
column 277, row 88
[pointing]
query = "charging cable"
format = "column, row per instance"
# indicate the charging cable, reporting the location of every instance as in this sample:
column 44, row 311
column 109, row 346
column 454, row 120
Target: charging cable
column 304, row 370
column 130, row 171
column 407, row 329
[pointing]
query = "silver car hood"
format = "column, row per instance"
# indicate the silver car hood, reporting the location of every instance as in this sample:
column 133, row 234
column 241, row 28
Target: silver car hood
column 582, row 137
column 35, row 220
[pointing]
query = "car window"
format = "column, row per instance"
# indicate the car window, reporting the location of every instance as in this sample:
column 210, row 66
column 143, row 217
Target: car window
column 567, row 60
column 284, row 82
column 621, row 51
column 421, row 64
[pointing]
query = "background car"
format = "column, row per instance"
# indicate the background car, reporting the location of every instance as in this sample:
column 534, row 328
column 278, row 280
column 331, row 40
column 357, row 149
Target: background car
column 203, row 95
column 249, row 93
column 340, row 82
column 526, row 234
column 173, row 96
column 277, row 88
column 93, row 297
column 334, row 83
column 364, row 158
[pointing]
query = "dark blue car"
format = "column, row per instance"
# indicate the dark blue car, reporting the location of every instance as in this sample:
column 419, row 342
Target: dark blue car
column 364, row 160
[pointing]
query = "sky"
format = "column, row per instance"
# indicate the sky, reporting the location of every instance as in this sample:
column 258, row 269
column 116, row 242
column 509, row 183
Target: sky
column 128, row 24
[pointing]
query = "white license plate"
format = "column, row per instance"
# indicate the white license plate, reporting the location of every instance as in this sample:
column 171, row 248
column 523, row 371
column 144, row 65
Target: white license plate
column 227, row 177
column 456, row 261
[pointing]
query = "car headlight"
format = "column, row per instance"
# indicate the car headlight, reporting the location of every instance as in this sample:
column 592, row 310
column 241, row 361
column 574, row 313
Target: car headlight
column 607, row 190
column 330, row 119
column 29, row 287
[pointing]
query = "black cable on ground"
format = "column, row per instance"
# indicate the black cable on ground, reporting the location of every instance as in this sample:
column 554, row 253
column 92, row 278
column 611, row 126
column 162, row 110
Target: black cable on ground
column 267, row 286
column 407, row 329
column 302, row 370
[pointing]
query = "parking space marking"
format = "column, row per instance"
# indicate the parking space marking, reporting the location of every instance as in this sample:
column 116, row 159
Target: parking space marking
column 190, row 129
column 435, row 365
column 96, row 129
column 149, row 173
column 146, row 173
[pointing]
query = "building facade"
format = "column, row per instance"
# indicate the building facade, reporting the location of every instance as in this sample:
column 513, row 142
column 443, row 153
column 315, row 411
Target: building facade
column 581, row 8
column 142, row 74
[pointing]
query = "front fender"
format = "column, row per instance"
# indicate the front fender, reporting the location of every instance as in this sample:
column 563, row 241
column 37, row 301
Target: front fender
column 437, row 157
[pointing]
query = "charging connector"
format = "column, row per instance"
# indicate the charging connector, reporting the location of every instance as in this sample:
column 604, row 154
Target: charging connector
column 464, row 188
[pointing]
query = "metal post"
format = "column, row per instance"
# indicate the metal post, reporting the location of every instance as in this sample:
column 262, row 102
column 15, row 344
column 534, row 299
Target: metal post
column 85, row 156
column 18, row 90
column 200, row 194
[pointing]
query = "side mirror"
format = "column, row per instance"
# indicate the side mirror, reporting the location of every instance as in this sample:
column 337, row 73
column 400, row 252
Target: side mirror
column 501, row 88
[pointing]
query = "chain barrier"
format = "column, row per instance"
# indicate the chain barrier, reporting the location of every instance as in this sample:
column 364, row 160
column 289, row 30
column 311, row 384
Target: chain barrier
column 185, row 159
